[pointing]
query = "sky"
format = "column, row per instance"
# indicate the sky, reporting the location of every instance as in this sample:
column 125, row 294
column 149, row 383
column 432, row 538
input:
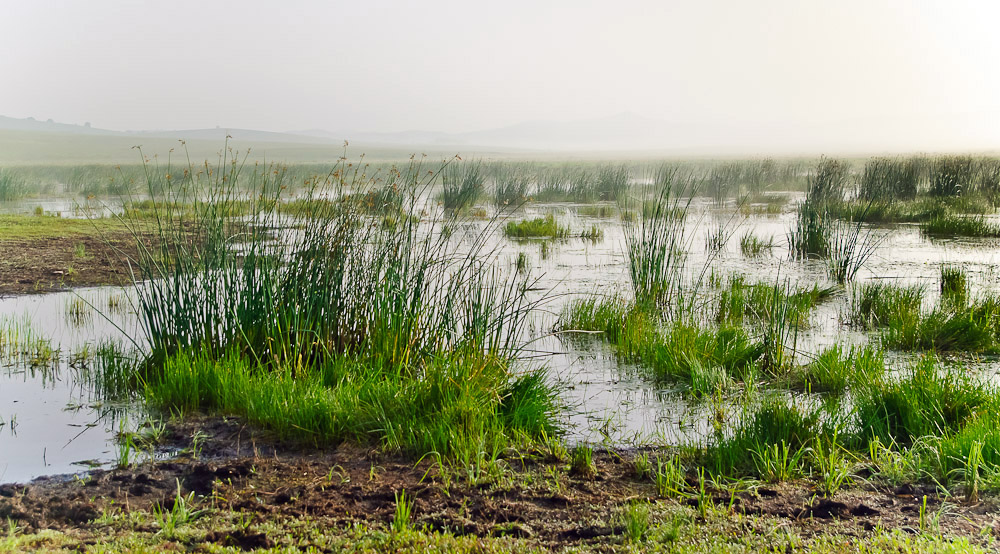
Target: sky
column 847, row 73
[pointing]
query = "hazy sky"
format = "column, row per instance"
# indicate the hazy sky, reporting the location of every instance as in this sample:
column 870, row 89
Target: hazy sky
column 461, row 66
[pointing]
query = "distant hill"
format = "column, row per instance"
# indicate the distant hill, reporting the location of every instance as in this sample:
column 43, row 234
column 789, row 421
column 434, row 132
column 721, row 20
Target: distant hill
column 624, row 131
column 49, row 126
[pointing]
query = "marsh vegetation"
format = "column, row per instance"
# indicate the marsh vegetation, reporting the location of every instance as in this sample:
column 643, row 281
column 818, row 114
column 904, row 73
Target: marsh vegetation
column 780, row 315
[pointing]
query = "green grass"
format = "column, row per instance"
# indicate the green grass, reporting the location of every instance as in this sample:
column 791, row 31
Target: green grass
column 656, row 247
column 838, row 367
column 454, row 406
column 809, row 237
column 952, row 176
column 882, row 303
column 594, row 234
column 931, row 400
column 954, row 284
column 890, row 179
column 12, row 186
column 540, row 227
column 511, row 184
column 741, row 301
column 961, row 226
column 972, row 328
column 851, row 245
column 827, row 182
column 773, row 420
column 701, row 358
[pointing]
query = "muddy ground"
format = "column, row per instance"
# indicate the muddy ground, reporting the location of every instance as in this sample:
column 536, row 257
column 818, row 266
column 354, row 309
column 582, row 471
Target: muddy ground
column 47, row 264
column 259, row 493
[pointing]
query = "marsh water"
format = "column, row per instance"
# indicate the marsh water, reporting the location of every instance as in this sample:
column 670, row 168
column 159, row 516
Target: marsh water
column 53, row 419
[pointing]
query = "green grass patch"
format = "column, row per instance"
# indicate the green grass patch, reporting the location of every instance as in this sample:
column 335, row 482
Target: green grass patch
column 973, row 328
column 961, row 226
column 838, row 367
column 753, row 246
column 931, row 400
column 881, row 303
column 743, row 302
column 456, row 406
column 540, row 227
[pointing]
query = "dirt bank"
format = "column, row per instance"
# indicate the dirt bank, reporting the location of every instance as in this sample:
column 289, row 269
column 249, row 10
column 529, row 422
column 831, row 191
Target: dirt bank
column 259, row 493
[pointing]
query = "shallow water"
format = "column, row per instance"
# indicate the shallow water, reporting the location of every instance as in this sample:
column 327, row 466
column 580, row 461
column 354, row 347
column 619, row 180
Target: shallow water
column 55, row 421
column 60, row 420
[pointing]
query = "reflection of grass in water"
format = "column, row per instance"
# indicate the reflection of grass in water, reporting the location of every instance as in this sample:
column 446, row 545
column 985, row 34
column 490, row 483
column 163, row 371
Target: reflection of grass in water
column 79, row 312
column 21, row 343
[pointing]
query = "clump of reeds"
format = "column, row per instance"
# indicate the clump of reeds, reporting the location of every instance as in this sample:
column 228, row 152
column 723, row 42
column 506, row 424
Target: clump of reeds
column 954, row 284
column 510, row 184
column 951, row 175
column 891, row 179
column 463, row 183
column 656, row 247
column 337, row 326
column 612, row 181
column 851, row 245
column 12, row 186
column 809, row 237
column 828, row 182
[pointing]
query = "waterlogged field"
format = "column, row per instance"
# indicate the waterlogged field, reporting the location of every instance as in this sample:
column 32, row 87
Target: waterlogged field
column 671, row 348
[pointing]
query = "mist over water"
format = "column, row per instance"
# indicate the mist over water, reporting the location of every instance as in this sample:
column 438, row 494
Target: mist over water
column 707, row 78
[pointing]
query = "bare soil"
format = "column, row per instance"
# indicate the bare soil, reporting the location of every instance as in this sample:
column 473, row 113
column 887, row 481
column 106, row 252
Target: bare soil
column 47, row 264
column 535, row 498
